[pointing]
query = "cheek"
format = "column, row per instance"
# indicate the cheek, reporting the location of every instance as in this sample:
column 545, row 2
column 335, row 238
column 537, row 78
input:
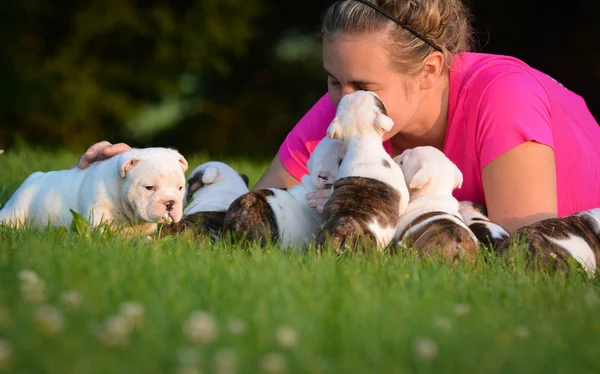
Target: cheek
column 335, row 94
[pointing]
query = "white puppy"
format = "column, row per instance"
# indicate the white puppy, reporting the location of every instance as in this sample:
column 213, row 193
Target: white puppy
column 211, row 188
column 432, row 222
column 370, row 192
column 283, row 215
column 138, row 188
column 551, row 242
column 486, row 231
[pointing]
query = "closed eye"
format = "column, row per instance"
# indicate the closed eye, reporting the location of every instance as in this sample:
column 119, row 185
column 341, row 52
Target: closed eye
column 180, row 188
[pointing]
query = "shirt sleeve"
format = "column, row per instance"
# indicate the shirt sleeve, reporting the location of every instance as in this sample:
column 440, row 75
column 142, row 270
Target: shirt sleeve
column 304, row 137
column 514, row 109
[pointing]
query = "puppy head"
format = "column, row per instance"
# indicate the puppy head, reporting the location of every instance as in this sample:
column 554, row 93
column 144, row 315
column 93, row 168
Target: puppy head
column 214, row 173
column 428, row 171
column 361, row 112
column 153, row 183
column 324, row 163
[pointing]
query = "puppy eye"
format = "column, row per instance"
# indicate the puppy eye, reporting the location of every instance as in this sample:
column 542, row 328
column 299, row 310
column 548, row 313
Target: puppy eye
column 149, row 188
column 401, row 162
column 180, row 188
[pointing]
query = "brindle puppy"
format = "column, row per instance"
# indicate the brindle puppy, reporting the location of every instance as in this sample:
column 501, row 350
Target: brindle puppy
column 552, row 242
column 357, row 206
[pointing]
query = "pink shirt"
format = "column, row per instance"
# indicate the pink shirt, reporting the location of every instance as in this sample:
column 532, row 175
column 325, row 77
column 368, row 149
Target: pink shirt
column 495, row 103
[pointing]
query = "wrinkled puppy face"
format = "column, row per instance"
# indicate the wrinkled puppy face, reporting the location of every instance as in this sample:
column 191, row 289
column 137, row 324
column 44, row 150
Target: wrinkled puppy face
column 324, row 163
column 359, row 113
column 154, row 183
column 211, row 173
column 428, row 171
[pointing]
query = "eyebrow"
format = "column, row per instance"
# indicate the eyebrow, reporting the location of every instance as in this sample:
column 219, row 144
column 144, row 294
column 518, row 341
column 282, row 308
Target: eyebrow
column 356, row 83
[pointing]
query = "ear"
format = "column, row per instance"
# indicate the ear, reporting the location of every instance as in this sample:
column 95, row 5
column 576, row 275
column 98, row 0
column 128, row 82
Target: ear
column 210, row 175
column 383, row 122
column 420, row 179
column 458, row 178
column 127, row 165
column 183, row 163
column 432, row 70
column 245, row 178
column 334, row 131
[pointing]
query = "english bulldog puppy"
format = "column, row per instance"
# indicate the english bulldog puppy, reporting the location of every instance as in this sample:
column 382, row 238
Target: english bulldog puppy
column 211, row 188
column 283, row 215
column 551, row 242
column 369, row 193
column 487, row 232
column 137, row 189
column 432, row 223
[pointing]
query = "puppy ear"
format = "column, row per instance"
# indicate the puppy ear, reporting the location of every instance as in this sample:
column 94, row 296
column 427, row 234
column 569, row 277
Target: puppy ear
column 420, row 179
column 210, row 175
column 383, row 122
column 458, row 178
column 183, row 163
column 334, row 131
column 126, row 165
column 245, row 179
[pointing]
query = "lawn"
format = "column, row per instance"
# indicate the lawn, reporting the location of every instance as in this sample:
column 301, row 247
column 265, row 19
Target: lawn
column 74, row 303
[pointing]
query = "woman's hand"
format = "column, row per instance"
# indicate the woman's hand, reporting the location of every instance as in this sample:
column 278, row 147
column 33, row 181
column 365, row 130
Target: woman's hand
column 318, row 199
column 101, row 151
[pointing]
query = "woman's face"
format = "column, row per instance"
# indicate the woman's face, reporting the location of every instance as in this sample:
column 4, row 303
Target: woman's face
column 362, row 62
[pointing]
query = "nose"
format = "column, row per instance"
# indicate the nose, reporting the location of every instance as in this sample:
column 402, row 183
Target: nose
column 169, row 205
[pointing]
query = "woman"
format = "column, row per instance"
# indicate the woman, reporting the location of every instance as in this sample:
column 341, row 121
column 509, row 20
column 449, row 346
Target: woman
column 527, row 146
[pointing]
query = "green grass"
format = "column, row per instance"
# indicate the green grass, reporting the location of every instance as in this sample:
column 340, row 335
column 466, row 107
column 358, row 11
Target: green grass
column 351, row 314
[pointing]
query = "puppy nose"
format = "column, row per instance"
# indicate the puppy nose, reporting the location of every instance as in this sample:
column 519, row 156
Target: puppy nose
column 169, row 204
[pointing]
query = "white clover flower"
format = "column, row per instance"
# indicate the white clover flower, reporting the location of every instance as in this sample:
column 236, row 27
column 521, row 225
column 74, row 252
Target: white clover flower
column 71, row 299
column 286, row 336
column 274, row 363
column 425, row 349
column 28, row 276
column 6, row 351
column 201, row 328
column 49, row 320
column 462, row 309
column 522, row 332
column 226, row 361
column 115, row 331
column 236, row 326
column 133, row 312
column 33, row 288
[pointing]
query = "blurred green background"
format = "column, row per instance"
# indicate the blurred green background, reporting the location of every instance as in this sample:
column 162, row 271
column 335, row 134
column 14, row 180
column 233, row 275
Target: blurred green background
column 221, row 77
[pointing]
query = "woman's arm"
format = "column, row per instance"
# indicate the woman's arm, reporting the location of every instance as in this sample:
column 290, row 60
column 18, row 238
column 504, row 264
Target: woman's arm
column 520, row 186
column 276, row 176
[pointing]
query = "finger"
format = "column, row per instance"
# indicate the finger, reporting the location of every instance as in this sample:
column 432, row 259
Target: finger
column 96, row 149
column 320, row 208
column 312, row 203
column 115, row 149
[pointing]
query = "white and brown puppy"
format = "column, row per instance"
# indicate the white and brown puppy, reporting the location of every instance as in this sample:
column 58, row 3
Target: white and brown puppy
column 551, row 242
column 283, row 215
column 487, row 232
column 211, row 188
column 137, row 188
column 432, row 223
column 370, row 193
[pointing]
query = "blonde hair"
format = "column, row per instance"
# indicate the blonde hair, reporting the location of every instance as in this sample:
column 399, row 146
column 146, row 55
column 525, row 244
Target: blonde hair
column 447, row 23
